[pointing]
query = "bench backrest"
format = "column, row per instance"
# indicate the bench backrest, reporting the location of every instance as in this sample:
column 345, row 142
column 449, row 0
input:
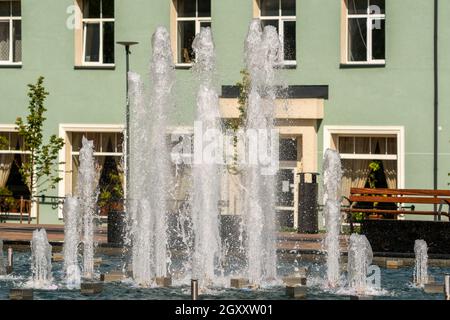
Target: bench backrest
column 400, row 195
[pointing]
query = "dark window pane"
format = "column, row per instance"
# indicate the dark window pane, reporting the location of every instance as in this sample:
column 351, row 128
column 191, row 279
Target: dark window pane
column 186, row 8
column 17, row 42
column 16, row 10
column 346, row 145
column 357, row 37
column 378, row 145
column 270, row 8
column 288, row 7
column 108, row 42
column 91, row 9
column 285, row 195
column 4, row 41
column 5, row 9
column 288, row 149
column 266, row 23
column 377, row 7
column 92, row 50
column 378, row 40
column 108, row 8
column 205, row 24
column 357, row 6
column 289, row 40
column 186, row 35
column 204, row 8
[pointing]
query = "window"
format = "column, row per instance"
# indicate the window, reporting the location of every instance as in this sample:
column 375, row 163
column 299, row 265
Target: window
column 365, row 31
column 98, row 32
column 282, row 15
column 191, row 16
column 361, row 154
column 109, row 167
column 10, row 32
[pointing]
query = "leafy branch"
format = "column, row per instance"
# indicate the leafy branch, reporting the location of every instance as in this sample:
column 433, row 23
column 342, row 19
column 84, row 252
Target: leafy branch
column 42, row 158
column 236, row 123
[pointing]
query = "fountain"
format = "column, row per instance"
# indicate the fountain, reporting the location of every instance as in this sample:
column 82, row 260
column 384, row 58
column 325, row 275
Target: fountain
column 149, row 165
column 71, row 213
column 41, row 259
column 87, row 193
column 332, row 175
column 206, row 172
column 421, row 266
column 2, row 259
column 360, row 257
column 262, row 51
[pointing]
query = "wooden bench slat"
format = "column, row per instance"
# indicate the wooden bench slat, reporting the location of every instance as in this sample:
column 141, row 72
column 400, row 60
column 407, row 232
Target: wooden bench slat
column 394, row 212
column 398, row 199
column 418, row 192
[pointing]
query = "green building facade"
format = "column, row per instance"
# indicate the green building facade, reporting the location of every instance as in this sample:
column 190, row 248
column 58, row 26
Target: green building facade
column 360, row 75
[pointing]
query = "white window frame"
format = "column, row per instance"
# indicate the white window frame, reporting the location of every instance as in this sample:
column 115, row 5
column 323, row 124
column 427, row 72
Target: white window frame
column 198, row 21
column 381, row 131
column 99, row 21
column 10, row 19
column 281, row 19
column 64, row 130
column 370, row 19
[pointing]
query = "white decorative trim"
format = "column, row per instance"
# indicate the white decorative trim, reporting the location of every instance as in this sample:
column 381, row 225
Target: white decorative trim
column 398, row 131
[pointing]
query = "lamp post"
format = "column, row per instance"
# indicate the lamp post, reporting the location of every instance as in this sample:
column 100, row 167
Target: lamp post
column 127, row 45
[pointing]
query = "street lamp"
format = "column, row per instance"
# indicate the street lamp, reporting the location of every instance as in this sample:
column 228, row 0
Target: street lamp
column 127, row 45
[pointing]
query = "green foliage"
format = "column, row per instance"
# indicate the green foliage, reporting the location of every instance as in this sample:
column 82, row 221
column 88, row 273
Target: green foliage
column 287, row 229
column 374, row 166
column 38, row 170
column 6, row 200
column 4, row 143
column 110, row 191
column 236, row 124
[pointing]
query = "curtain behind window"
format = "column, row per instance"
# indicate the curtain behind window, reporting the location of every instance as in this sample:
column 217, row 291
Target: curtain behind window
column 6, row 161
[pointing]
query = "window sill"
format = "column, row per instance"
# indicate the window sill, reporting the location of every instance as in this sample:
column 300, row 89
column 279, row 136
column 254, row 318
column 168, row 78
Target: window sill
column 361, row 65
column 11, row 66
column 287, row 65
column 95, row 67
column 183, row 66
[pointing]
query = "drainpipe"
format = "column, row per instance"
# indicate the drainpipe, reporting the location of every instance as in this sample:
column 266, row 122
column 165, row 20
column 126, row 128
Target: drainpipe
column 436, row 101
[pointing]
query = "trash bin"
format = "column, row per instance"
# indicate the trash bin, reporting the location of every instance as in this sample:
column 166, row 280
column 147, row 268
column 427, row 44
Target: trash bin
column 116, row 227
column 307, row 204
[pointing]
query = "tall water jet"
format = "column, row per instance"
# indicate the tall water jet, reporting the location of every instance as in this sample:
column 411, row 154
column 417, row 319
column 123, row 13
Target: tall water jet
column 360, row 257
column 41, row 259
column 262, row 50
column 421, row 267
column 71, row 214
column 206, row 171
column 149, row 164
column 332, row 176
column 87, row 194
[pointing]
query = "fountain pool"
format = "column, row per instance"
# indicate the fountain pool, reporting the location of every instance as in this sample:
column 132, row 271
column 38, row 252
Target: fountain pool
column 396, row 284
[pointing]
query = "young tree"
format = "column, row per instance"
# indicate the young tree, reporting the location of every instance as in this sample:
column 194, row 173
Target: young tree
column 38, row 168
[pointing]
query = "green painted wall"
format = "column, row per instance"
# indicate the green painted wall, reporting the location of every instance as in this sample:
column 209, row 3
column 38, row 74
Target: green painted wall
column 401, row 93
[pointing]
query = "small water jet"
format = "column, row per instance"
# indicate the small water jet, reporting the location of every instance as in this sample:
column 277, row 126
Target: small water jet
column 360, row 257
column 2, row 259
column 332, row 176
column 87, row 194
column 421, row 266
column 41, row 259
column 71, row 214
